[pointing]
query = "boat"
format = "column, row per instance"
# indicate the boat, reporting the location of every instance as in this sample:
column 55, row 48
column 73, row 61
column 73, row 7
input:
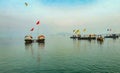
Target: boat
column 100, row 38
column 86, row 38
column 28, row 39
column 74, row 37
column 90, row 37
column 76, row 34
column 112, row 36
column 41, row 39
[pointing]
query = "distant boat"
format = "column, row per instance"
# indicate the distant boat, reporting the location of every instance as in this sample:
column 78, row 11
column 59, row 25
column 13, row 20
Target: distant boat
column 79, row 37
column 28, row 39
column 90, row 37
column 86, row 38
column 76, row 34
column 112, row 36
column 41, row 39
column 100, row 38
column 74, row 37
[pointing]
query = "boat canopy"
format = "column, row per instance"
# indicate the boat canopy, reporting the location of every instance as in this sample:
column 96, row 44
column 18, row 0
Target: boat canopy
column 41, row 37
column 28, row 37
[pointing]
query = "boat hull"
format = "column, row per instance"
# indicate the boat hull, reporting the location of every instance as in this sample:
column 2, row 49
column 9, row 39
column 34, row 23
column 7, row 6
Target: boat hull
column 29, row 41
column 100, row 39
column 112, row 36
column 40, row 40
column 73, row 37
column 86, row 38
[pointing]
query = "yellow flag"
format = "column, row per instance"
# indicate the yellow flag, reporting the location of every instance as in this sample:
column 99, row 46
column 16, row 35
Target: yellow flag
column 84, row 30
column 73, row 31
column 77, row 32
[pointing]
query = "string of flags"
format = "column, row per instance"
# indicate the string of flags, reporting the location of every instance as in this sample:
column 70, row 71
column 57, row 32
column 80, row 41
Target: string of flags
column 37, row 23
column 78, row 31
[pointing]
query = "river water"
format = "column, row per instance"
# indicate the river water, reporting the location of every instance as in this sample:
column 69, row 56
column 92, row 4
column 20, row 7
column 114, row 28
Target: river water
column 59, row 55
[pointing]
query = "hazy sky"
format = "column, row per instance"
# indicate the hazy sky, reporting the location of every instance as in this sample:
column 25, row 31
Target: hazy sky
column 58, row 16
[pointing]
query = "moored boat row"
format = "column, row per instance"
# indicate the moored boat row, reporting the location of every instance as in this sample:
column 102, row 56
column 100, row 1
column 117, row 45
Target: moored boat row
column 112, row 36
column 29, row 39
column 100, row 38
column 88, row 37
column 95, row 37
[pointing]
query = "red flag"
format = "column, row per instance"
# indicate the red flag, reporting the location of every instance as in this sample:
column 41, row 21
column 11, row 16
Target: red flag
column 38, row 22
column 32, row 29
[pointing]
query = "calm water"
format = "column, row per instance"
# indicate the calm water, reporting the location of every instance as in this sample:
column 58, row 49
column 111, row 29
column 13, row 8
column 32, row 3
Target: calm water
column 60, row 55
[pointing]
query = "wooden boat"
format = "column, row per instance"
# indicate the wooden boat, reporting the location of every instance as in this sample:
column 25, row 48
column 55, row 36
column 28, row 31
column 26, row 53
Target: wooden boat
column 28, row 39
column 41, row 39
column 112, row 36
column 74, row 37
column 100, row 38
column 86, row 38
column 90, row 37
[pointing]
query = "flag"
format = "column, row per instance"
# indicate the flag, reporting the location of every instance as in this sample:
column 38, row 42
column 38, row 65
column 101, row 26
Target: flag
column 84, row 30
column 73, row 31
column 38, row 22
column 32, row 29
column 77, row 32
column 109, row 29
column 26, row 3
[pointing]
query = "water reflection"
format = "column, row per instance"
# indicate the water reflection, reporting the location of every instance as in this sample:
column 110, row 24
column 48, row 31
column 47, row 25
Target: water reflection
column 76, row 43
column 91, row 41
column 84, row 43
column 28, row 47
column 100, row 42
column 41, row 45
column 35, row 50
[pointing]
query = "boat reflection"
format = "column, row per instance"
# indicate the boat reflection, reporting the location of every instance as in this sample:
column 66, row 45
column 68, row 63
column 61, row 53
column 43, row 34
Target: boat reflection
column 35, row 50
column 100, row 42
column 76, row 43
column 91, row 41
column 28, row 47
column 41, row 45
